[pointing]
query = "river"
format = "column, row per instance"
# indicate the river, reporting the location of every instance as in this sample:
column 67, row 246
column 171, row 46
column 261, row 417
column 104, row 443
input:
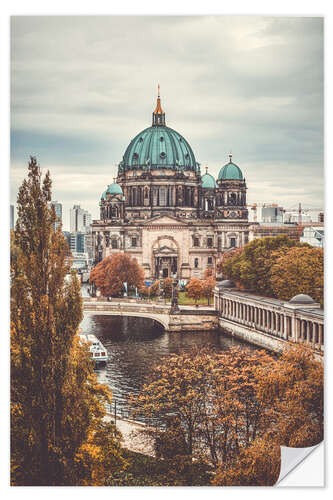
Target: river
column 136, row 344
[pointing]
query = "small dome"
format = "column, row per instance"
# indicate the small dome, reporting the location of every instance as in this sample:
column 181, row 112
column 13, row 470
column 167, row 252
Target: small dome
column 114, row 189
column 301, row 298
column 230, row 171
column 208, row 181
column 226, row 284
column 103, row 197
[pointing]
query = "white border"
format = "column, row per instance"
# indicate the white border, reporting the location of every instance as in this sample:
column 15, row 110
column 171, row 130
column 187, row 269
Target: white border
column 139, row 7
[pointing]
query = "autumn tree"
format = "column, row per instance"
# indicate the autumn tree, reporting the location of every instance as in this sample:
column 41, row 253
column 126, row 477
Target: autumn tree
column 144, row 291
column 111, row 273
column 299, row 270
column 208, row 286
column 252, row 268
column 208, row 403
column 293, row 387
column 194, row 289
column 207, row 273
column 55, row 400
column 230, row 411
column 154, row 289
column 255, row 465
column 167, row 287
column 221, row 263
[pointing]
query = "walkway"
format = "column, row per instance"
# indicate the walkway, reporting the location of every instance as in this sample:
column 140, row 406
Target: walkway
column 133, row 439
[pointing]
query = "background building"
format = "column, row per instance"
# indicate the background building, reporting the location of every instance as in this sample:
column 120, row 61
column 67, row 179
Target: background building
column 256, row 230
column 12, row 217
column 80, row 219
column 266, row 212
column 314, row 236
column 58, row 211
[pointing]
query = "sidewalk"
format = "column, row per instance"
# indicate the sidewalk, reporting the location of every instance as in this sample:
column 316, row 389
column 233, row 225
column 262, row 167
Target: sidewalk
column 133, row 440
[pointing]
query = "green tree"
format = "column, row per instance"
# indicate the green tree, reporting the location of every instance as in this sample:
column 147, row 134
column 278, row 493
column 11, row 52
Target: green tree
column 252, row 267
column 299, row 270
column 55, row 399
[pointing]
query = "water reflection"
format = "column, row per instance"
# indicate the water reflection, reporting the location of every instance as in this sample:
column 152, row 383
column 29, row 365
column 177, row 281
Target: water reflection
column 136, row 344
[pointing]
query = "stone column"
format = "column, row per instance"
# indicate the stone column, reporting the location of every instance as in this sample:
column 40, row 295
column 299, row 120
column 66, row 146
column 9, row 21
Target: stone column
column 298, row 330
column 315, row 333
column 293, row 329
column 285, row 326
column 311, row 332
column 321, row 334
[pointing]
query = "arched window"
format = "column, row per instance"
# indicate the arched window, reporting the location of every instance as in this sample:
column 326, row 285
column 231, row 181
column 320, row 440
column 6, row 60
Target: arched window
column 114, row 243
column 196, row 263
column 232, row 198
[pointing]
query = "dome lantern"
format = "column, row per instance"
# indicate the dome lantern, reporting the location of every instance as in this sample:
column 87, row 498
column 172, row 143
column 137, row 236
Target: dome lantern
column 158, row 114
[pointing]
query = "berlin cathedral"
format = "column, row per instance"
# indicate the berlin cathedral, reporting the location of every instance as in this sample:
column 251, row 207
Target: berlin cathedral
column 162, row 211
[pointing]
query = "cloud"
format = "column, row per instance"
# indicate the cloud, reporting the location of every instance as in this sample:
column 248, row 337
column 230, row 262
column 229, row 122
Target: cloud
column 83, row 87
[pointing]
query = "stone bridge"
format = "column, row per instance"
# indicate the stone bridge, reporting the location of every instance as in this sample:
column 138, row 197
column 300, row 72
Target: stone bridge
column 188, row 317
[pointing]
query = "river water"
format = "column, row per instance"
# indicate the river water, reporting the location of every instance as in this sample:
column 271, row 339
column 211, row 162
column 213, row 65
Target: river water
column 136, row 344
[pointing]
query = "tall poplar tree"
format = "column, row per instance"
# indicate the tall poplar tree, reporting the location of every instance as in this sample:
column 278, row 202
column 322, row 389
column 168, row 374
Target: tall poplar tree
column 52, row 419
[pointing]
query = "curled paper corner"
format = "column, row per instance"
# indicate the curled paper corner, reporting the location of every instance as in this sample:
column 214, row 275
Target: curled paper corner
column 291, row 458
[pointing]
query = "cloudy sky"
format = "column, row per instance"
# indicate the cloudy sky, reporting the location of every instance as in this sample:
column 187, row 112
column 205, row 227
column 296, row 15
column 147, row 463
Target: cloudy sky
column 83, row 87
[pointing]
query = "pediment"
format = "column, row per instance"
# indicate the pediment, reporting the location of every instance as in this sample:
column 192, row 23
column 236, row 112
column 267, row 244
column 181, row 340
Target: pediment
column 164, row 220
column 165, row 250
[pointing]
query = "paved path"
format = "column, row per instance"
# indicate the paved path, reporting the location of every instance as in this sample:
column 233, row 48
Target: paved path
column 133, row 439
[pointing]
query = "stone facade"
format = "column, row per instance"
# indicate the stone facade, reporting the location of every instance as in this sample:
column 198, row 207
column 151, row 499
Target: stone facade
column 269, row 322
column 161, row 211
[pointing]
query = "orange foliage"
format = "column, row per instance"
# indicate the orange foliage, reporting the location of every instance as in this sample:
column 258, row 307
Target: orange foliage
column 208, row 286
column 299, row 270
column 208, row 272
column 293, row 388
column 167, row 287
column 194, row 289
column 110, row 274
column 256, row 465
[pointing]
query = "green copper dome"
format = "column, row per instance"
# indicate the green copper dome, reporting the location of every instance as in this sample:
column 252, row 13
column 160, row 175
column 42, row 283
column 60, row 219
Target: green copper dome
column 159, row 147
column 208, row 181
column 103, row 195
column 114, row 189
column 230, row 171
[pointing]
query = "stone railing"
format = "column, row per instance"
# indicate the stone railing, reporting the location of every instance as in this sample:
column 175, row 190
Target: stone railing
column 250, row 315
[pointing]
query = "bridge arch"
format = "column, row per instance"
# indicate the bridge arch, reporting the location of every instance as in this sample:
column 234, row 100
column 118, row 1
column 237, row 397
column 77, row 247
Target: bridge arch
column 162, row 319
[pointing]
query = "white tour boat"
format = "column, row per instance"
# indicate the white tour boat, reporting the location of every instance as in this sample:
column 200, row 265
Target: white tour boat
column 98, row 351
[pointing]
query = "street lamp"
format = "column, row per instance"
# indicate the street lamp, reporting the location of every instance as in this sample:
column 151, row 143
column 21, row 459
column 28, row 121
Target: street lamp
column 174, row 300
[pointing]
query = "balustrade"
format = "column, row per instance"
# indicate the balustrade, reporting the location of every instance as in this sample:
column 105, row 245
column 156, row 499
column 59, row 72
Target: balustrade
column 284, row 325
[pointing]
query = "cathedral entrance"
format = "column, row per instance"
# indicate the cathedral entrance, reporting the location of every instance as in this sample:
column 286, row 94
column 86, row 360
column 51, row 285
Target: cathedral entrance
column 165, row 272
column 165, row 267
